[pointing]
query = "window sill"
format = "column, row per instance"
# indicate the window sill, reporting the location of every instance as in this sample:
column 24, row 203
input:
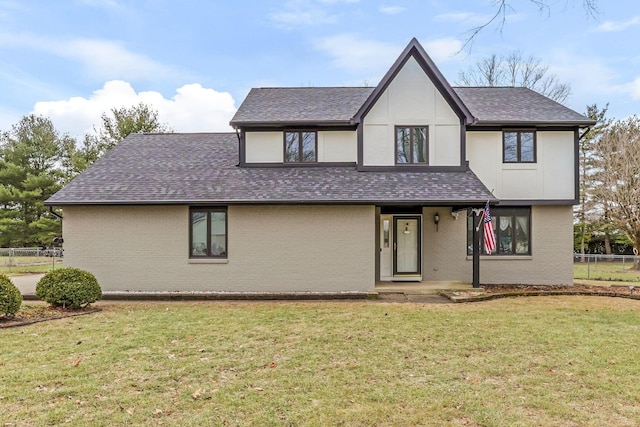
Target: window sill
column 208, row 261
column 502, row 257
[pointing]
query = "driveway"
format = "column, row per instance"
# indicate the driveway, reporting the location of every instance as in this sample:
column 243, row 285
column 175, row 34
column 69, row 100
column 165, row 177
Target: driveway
column 27, row 284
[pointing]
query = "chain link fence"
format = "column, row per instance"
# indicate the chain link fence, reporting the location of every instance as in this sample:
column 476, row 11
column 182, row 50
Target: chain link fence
column 29, row 260
column 614, row 268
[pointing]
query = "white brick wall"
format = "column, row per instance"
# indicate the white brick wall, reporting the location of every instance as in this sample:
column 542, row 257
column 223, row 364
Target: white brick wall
column 292, row 248
column 550, row 263
column 271, row 248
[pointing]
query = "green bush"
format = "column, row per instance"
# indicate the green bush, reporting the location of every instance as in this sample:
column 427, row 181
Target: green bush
column 10, row 297
column 69, row 287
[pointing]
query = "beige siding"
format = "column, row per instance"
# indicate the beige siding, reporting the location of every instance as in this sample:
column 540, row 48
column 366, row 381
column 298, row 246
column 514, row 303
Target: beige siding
column 551, row 177
column 271, row 249
column 264, row 147
column 411, row 99
column 551, row 261
column 333, row 146
column 337, row 146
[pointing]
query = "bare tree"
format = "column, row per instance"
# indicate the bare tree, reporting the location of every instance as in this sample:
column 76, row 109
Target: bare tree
column 116, row 126
column 588, row 214
column 617, row 180
column 515, row 70
column 505, row 6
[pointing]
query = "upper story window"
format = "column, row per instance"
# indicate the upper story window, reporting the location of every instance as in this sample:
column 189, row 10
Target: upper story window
column 300, row 147
column 412, row 145
column 208, row 232
column 519, row 146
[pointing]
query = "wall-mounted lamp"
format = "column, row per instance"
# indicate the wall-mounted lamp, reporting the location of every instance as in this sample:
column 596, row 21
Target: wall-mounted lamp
column 406, row 229
column 436, row 220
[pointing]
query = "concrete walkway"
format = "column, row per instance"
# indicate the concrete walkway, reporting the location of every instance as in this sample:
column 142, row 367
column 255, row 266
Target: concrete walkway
column 27, row 284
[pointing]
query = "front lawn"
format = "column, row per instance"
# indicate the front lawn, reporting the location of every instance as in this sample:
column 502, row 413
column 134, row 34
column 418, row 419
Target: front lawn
column 552, row 361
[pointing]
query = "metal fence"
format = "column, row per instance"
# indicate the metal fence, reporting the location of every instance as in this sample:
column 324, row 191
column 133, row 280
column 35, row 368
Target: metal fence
column 29, row 260
column 617, row 268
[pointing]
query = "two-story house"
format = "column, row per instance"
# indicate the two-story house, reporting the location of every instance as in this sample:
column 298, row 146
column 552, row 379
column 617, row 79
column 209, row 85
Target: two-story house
column 336, row 190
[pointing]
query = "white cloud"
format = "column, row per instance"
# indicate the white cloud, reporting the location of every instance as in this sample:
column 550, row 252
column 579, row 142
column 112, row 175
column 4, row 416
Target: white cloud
column 374, row 58
column 392, row 10
column 338, row 1
column 100, row 59
column 441, row 50
column 468, row 18
column 108, row 4
column 359, row 55
column 104, row 59
column 611, row 26
column 304, row 13
column 192, row 109
column 631, row 88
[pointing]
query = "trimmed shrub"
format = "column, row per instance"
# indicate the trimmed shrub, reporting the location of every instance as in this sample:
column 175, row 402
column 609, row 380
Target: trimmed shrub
column 69, row 287
column 10, row 297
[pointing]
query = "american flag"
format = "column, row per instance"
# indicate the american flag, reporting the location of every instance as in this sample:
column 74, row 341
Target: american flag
column 489, row 235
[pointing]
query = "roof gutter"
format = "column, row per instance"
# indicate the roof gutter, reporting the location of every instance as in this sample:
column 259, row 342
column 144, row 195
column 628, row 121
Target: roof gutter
column 51, row 211
column 585, row 133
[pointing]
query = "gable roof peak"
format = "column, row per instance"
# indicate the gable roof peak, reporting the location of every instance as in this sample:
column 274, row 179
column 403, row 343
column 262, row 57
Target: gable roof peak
column 414, row 49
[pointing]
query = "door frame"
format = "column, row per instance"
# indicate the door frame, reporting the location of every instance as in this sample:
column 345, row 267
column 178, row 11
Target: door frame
column 418, row 272
column 389, row 266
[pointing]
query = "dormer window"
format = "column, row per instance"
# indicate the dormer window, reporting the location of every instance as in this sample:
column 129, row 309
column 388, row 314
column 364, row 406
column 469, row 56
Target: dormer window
column 300, row 147
column 412, row 145
column 519, row 146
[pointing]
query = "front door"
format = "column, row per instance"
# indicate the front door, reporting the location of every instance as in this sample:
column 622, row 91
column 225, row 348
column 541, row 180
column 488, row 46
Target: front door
column 406, row 246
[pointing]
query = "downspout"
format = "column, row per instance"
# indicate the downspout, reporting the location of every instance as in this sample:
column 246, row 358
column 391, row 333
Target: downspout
column 51, row 211
column 584, row 134
column 240, row 148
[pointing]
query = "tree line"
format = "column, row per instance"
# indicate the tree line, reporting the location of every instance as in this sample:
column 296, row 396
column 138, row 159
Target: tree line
column 36, row 161
column 609, row 209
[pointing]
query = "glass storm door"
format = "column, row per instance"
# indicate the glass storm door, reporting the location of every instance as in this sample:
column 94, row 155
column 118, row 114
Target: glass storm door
column 406, row 246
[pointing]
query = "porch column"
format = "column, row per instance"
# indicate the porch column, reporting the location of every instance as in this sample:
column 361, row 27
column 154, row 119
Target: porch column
column 476, row 249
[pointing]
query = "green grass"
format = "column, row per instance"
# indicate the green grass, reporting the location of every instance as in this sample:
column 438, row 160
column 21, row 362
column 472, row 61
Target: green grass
column 553, row 361
column 609, row 271
column 21, row 265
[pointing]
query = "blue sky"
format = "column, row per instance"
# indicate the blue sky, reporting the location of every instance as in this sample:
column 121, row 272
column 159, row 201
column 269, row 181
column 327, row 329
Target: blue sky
column 194, row 61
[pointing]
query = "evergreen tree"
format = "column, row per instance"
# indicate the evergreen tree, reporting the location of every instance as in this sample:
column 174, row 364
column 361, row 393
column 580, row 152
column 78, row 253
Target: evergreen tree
column 33, row 166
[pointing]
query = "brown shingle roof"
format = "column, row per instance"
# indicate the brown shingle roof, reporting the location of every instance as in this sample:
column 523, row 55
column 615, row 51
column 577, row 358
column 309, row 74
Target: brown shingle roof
column 337, row 105
column 201, row 169
column 300, row 105
column 516, row 105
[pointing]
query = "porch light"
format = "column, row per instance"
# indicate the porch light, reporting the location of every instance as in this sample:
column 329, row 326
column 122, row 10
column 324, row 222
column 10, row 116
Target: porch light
column 436, row 220
column 406, row 229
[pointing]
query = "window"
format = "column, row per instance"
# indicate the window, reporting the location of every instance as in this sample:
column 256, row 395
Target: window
column 412, row 144
column 300, row 147
column 512, row 227
column 208, row 227
column 519, row 147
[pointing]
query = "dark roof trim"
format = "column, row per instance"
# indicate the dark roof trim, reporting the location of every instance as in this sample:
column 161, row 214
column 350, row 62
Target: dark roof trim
column 316, row 126
column 507, row 123
column 272, row 202
column 293, row 123
column 523, row 126
column 538, row 202
column 414, row 49
column 298, row 165
column 413, row 168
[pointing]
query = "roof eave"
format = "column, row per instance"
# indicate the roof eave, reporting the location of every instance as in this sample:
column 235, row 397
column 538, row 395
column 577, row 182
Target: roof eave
column 285, row 123
column 433, row 202
column 579, row 123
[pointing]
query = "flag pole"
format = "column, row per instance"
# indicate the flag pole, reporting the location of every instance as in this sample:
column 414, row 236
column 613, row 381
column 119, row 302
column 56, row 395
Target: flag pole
column 478, row 217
